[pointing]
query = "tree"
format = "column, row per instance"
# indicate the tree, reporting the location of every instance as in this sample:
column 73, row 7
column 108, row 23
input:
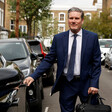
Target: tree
column 49, row 27
column 101, row 25
column 31, row 10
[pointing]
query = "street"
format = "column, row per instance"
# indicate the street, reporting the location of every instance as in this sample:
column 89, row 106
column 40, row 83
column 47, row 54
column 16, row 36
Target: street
column 51, row 103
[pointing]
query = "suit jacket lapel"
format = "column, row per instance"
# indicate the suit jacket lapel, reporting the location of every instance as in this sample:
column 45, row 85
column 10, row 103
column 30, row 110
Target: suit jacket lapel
column 65, row 46
column 84, row 41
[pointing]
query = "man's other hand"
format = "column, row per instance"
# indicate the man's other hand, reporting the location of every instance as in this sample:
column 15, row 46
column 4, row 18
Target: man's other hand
column 92, row 90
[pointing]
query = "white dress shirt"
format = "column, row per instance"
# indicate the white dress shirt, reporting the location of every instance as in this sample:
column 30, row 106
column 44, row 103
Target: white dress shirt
column 78, row 52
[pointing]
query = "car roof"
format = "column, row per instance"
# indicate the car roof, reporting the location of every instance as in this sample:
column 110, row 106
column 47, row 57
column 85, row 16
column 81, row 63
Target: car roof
column 12, row 40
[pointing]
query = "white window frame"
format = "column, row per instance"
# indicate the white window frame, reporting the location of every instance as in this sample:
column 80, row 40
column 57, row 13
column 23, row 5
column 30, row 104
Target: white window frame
column 61, row 25
column 100, row 13
column 111, row 10
column 88, row 14
column 60, row 15
column 2, row 1
column 0, row 17
column 22, row 30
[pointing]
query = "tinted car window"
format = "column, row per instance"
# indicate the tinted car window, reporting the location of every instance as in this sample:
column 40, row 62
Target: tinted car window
column 35, row 46
column 105, row 43
column 13, row 51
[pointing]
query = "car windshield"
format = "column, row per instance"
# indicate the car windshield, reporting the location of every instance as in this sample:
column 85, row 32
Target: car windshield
column 105, row 43
column 13, row 51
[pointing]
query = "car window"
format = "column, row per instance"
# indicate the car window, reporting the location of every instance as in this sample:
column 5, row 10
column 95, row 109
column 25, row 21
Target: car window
column 13, row 51
column 105, row 43
column 35, row 46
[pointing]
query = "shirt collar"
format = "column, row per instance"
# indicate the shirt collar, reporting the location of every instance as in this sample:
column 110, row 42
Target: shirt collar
column 71, row 33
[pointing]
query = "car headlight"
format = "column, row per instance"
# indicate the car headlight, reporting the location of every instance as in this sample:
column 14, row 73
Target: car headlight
column 26, row 72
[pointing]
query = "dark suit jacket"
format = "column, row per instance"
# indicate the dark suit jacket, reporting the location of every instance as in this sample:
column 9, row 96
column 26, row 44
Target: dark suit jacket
column 90, row 58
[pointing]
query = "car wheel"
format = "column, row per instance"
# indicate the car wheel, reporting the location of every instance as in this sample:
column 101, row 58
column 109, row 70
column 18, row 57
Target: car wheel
column 27, row 107
column 38, row 105
column 105, row 65
column 51, row 80
column 109, row 68
column 42, row 92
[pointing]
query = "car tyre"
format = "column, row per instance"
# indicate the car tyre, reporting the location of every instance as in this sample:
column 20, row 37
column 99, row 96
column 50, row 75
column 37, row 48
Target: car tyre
column 38, row 105
column 105, row 65
column 42, row 92
column 27, row 107
column 51, row 80
column 109, row 68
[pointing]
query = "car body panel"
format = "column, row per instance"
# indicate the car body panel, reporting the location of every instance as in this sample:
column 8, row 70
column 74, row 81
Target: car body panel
column 26, row 61
column 105, row 44
column 8, row 94
column 108, row 59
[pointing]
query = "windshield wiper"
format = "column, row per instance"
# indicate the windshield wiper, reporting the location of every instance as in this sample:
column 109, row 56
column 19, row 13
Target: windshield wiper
column 18, row 59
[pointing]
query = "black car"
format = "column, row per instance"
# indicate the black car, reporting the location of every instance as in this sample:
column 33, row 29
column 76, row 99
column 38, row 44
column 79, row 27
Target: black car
column 11, row 77
column 38, row 47
column 18, row 51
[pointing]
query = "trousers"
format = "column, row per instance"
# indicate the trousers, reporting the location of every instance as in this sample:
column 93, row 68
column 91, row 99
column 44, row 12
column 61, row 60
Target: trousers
column 69, row 91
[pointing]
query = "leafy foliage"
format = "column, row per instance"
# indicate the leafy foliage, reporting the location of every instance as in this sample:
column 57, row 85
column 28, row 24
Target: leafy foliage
column 101, row 25
column 31, row 10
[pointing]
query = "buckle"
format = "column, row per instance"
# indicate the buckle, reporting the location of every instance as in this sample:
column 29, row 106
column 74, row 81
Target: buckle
column 77, row 77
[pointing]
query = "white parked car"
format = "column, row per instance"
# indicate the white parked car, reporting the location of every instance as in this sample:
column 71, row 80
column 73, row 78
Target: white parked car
column 105, row 44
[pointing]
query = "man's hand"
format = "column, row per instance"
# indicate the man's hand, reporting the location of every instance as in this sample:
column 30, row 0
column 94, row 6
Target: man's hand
column 93, row 90
column 28, row 81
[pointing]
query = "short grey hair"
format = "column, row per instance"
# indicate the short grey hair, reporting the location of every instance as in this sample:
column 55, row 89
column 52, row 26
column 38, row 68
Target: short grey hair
column 75, row 9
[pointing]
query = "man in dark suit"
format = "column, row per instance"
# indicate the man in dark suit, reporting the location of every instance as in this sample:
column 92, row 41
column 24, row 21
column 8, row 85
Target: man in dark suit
column 78, row 62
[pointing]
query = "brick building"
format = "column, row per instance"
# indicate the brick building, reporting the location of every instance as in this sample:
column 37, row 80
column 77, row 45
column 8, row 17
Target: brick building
column 107, row 5
column 10, row 22
column 58, row 12
column 2, row 12
column 3, row 30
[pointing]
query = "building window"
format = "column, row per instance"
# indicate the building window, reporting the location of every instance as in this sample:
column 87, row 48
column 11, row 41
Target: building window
column 100, row 12
column 61, row 17
column 23, row 28
column 52, row 16
column 2, row 1
column 1, row 17
column 111, row 10
column 12, row 25
column 61, row 27
column 88, row 15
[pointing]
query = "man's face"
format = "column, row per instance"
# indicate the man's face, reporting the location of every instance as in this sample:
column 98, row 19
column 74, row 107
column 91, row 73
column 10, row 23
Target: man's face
column 75, row 21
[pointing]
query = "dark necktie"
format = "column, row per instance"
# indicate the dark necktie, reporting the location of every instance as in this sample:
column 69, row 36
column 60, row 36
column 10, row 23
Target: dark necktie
column 70, row 73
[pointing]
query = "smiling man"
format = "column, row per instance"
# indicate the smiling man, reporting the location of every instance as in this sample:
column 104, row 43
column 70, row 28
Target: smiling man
column 78, row 63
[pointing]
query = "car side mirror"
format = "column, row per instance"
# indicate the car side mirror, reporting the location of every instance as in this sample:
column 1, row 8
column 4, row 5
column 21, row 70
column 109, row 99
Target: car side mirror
column 34, row 56
column 10, row 78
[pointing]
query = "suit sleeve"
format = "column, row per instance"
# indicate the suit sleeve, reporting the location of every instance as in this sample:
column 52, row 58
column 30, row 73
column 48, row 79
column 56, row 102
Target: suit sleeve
column 46, row 63
column 96, row 69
